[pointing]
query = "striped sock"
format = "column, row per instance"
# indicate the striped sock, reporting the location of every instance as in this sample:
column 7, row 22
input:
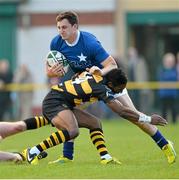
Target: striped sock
column 97, row 138
column 53, row 140
column 35, row 122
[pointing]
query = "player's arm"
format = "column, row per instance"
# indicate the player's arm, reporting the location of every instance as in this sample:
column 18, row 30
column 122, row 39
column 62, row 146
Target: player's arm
column 55, row 71
column 129, row 114
column 8, row 156
column 108, row 64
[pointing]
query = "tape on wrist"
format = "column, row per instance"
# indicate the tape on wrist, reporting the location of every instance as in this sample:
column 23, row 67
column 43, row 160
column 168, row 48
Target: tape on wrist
column 144, row 118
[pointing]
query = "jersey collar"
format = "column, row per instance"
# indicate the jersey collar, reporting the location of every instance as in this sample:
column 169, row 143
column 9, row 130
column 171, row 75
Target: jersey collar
column 76, row 41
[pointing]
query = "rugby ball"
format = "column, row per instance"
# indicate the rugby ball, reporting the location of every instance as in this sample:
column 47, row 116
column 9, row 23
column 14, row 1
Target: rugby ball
column 54, row 57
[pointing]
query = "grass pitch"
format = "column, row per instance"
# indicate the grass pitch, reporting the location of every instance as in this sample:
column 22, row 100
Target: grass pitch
column 139, row 155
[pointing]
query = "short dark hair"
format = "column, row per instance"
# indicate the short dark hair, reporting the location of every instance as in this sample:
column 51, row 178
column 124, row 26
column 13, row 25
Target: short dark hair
column 116, row 76
column 71, row 16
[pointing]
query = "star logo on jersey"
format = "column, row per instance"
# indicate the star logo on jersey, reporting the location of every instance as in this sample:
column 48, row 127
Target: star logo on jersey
column 82, row 57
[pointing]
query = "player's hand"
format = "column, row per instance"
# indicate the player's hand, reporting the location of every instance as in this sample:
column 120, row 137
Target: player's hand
column 158, row 120
column 95, row 70
column 55, row 71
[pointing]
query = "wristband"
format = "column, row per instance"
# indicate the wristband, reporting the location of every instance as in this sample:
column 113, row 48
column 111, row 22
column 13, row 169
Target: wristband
column 144, row 118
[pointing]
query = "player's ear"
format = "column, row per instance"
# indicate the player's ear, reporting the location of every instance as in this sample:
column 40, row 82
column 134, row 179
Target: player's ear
column 109, row 83
column 75, row 26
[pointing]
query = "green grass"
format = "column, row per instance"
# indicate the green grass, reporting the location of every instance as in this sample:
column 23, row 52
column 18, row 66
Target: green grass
column 141, row 158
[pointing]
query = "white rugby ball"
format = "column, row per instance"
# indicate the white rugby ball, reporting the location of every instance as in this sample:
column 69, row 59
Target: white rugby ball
column 54, row 57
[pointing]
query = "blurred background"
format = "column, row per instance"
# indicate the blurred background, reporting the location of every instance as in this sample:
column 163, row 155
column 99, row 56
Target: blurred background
column 142, row 35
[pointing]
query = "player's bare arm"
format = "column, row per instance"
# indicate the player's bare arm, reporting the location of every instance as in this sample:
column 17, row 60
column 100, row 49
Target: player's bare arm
column 55, row 71
column 8, row 156
column 108, row 64
column 128, row 113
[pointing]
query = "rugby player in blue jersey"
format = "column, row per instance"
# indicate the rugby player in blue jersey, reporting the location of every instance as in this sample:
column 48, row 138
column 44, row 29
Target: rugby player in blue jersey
column 83, row 50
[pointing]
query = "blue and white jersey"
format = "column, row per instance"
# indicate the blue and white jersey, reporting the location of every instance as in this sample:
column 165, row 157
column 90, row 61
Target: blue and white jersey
column 84, row 53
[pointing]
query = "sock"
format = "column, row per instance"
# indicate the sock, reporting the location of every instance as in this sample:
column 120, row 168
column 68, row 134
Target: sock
column 68, row 149
column 97, row 138
column 34, row 150
column 159, row 139
column 35, row 122
column 53, row 140
column 106, row 156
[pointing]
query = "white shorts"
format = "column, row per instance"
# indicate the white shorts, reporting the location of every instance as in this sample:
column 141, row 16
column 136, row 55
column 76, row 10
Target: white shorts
column 121, row 94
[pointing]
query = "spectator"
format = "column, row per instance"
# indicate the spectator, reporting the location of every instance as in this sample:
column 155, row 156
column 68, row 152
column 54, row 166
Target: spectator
column 138, row 72
column 6, row 77
column 177, row 65
column 168, row 73
column 177, row 68
column 25, row 97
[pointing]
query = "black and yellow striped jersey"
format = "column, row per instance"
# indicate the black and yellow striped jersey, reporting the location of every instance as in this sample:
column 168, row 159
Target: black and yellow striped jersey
column 84, row 88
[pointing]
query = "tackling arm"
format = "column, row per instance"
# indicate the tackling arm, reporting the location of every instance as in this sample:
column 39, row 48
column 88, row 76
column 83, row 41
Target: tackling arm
column 129, row 114
column 108, row 64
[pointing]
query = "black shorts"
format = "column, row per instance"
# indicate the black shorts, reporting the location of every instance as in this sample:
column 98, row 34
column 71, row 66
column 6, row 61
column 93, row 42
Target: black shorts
column 53, row 103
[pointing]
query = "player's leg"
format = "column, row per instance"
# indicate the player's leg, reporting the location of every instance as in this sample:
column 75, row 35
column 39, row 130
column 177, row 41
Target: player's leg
column 35, row 122
column 89, row 121
column 8, row 156
column 11, row 128
column 68, row 147
column 165, row 145
column 67, row 126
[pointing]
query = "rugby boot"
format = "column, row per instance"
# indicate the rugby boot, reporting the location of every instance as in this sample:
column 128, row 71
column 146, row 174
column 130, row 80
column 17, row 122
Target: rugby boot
column 169, row 152
column 33, row 158
column 110, row 161
column 61, row 160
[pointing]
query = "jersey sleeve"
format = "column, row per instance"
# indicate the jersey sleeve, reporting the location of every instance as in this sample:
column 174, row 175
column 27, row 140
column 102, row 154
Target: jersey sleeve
column 99, row 53
column 104, row 94
column 55, row 43
column 52, row 44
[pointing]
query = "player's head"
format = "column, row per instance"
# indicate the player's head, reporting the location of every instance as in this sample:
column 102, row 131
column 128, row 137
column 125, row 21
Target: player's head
column 116, row 80
column 67, row 24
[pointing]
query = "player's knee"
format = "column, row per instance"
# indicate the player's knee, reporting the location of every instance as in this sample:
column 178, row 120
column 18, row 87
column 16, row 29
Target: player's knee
column 19, row 127
column 97, row 124
column 74, row 133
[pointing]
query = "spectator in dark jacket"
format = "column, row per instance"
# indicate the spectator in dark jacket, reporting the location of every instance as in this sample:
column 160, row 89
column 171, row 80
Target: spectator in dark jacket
column 168, row 73
column 5, row 78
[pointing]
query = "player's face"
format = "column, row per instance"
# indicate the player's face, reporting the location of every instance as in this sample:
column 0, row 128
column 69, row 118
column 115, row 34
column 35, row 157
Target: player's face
column 66, row 30
column 117, row 89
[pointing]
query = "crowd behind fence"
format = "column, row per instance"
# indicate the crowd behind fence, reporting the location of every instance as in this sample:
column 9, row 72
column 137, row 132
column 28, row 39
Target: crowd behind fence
column 97, row 109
